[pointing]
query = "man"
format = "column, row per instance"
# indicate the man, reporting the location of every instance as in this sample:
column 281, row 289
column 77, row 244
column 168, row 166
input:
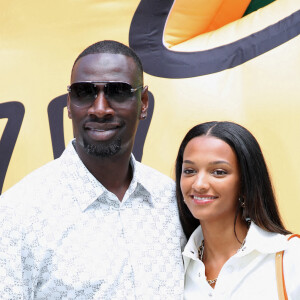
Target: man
column 95, row 223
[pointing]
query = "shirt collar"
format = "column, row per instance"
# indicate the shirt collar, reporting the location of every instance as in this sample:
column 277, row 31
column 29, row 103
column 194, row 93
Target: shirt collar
column 83, row 186
column 140, row 175
column 86, row 189
column 263, row 241
column 256, row 239
column 191, row 248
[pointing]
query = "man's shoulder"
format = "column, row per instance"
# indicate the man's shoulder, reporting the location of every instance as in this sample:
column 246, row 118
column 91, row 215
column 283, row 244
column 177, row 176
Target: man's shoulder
column 149, row 171
column 152, row 178
column 46, row 177
column 42, row 178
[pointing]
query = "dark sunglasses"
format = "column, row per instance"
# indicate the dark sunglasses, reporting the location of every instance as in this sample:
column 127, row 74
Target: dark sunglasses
column 84, row 93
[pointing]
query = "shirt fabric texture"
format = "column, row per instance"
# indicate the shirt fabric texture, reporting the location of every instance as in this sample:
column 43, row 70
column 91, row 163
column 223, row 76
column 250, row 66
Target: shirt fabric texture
column 250, row 273
column 63, row 235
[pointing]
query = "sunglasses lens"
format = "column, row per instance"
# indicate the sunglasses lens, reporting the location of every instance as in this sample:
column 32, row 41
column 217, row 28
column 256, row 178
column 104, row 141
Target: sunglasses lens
column 83, row 93
column 118, row 91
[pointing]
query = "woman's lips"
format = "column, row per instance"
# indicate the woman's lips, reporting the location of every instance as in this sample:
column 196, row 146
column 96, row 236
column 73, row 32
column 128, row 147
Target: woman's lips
column 203, row 199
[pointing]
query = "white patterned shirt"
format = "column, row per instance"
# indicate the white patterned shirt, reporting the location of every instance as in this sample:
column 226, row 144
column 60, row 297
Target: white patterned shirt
column 64, row 236
column 247, row 275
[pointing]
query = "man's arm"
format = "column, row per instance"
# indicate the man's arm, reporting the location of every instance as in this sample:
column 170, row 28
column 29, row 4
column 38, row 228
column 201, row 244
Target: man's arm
column 11, row 274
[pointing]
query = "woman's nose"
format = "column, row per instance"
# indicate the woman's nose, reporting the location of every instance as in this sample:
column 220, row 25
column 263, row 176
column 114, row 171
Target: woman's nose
column 201, row 182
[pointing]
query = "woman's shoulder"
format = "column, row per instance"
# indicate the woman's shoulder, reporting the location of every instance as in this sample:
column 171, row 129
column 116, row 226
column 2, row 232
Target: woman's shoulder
column 293, row 248
column 291, row 257
column 291, row 268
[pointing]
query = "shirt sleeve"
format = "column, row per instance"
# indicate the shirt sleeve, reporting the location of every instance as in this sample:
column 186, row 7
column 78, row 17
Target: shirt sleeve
column 13, row 284
column 291, row 267
column 10, row 254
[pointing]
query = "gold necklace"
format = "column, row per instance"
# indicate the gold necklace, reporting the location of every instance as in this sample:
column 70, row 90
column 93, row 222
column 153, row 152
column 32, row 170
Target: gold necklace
column 200, row 256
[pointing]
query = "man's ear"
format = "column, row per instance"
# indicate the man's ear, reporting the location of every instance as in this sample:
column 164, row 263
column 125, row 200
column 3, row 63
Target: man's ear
column 144, row 102
column 68, row 107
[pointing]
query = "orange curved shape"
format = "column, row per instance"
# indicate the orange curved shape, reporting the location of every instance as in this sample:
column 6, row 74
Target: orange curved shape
column 204, row 16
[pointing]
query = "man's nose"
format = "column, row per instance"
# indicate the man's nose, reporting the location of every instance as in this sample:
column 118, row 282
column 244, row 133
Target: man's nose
column 201, row 182
column 101, row 106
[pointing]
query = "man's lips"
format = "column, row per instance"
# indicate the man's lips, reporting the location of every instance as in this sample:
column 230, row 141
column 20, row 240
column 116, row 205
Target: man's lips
column 100, row 127
column 101, row 131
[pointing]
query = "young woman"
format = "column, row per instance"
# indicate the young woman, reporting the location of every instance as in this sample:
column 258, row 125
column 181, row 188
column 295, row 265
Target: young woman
column 223, row 184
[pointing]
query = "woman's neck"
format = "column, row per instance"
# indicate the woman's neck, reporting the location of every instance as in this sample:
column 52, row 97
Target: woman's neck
column 223, row 240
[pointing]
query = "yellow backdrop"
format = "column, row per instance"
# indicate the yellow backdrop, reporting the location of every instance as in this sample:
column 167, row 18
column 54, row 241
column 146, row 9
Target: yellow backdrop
column 41, row 39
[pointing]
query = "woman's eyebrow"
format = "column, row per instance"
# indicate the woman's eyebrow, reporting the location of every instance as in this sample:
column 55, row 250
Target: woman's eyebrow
column 188, row 162
column 218, row 162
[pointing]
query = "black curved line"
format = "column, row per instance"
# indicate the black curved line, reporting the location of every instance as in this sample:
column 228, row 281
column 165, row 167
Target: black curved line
column 56, row 124
column 14, row 112
column 146, row 34
column 142, row 131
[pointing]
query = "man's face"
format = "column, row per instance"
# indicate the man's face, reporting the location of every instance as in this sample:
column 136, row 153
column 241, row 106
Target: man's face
column 107, row 127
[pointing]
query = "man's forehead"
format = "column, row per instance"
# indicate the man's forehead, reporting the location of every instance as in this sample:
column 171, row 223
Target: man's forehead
column 100, row 65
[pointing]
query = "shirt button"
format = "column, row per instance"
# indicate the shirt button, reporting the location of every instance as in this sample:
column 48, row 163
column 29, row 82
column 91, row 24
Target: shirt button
column 210, row 294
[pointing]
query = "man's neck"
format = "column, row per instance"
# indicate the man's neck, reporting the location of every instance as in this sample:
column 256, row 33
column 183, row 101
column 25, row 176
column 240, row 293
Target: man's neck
column 114, row 173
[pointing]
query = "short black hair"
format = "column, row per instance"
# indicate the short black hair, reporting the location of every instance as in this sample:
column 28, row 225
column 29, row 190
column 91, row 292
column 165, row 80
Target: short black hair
column 113, row 47
column 256, row 186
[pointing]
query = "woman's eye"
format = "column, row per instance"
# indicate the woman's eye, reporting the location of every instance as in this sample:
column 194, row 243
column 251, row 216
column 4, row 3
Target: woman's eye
column 219, row 172
column 188, row 171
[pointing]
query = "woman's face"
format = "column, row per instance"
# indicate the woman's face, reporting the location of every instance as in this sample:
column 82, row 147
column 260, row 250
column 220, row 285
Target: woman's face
column 210, row 179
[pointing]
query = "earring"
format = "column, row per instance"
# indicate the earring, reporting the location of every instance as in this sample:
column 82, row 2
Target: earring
column 245, row 215
column 143, row 116
column 242, row 202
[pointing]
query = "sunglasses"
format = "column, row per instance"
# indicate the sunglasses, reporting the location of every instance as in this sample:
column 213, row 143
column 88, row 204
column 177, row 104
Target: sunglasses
column 83, row 94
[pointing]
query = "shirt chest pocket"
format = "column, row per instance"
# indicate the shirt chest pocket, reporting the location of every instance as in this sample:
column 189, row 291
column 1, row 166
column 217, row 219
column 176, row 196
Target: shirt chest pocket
column 88, row 255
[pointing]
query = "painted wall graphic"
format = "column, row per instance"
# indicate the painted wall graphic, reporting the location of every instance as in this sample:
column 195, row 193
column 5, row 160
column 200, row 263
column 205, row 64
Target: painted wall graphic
column 203, row 61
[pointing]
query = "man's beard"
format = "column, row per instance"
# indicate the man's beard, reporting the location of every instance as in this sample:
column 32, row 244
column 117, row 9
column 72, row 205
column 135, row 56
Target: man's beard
column 103, row 150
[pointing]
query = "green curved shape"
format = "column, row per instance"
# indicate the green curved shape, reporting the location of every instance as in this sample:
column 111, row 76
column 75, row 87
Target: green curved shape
column 256, row 4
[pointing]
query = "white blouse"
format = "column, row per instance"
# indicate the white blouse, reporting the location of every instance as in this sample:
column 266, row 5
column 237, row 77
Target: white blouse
column 250, row 273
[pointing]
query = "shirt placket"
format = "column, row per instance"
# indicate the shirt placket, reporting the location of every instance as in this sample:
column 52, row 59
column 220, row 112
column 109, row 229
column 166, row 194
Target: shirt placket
column 128, row 289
